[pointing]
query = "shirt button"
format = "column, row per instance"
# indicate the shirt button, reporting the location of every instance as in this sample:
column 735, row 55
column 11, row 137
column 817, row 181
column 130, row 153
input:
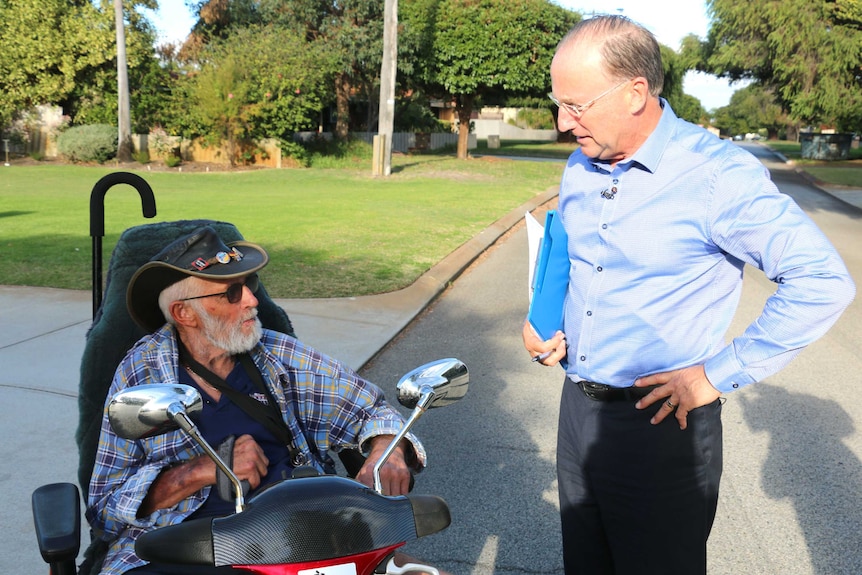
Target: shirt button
column 599, row 268
column 589, row 313
column 604, row 226
column 583, row 358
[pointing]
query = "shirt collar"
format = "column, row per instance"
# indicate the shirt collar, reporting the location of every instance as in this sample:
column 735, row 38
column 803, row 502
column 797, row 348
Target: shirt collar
column 649, row 154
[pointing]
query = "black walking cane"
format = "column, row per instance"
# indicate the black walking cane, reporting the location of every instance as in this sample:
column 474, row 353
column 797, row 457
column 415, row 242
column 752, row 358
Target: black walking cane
column 97, row 219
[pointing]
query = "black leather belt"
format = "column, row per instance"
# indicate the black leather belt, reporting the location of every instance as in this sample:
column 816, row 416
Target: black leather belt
column 602, row 392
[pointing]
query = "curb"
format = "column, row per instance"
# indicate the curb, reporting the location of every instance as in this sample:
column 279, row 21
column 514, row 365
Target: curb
column 831, row 189
column 416, row 297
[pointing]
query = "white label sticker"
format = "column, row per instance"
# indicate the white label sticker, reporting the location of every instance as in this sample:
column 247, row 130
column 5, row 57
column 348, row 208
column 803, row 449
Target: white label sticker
column 343, row 569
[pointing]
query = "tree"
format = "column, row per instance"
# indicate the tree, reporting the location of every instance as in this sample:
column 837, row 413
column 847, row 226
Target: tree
column 751, row 109
column 689, row 108
column 352, row 30
column 124, row 120
column 258, row 82
column 675, row 67
column 807, row 52
column 47, row 45
column 485, row 48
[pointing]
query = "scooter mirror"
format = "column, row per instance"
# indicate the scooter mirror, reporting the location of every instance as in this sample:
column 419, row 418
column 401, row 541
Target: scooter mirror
column 148, row 410
column 435, row 384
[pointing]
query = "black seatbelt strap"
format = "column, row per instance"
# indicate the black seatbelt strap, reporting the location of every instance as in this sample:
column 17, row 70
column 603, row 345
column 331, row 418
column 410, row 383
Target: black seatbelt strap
column 268, row 415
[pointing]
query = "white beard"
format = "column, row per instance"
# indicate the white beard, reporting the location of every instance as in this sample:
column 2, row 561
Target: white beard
column 229, row 337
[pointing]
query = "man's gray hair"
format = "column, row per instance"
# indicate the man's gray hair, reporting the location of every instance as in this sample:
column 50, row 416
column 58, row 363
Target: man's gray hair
column 628, row 49
column 176, row 291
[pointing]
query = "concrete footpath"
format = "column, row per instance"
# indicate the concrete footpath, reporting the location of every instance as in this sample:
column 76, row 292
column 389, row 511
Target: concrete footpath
column 42, row 334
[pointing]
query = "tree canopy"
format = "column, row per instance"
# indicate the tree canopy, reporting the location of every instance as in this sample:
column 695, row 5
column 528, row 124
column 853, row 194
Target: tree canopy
column 254, row 68
column 685, row 106
column 807, row 52
column 751, row 109
column 46, row 46
column 259, row 82
column 351, row 30
column 484, row 49
column 64, row 52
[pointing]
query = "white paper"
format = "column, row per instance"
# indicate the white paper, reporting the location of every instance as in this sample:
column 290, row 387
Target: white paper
column 342, row 569
column 535, row 233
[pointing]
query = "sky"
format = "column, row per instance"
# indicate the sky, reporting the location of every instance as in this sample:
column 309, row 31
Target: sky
column 669, row 20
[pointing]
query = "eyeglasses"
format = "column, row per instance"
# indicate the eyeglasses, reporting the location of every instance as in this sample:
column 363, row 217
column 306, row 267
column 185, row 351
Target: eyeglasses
column 577, row 110
column 233, row 293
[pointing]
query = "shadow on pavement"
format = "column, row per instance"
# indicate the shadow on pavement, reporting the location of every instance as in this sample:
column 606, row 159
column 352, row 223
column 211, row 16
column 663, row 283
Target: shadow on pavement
column 808, row 464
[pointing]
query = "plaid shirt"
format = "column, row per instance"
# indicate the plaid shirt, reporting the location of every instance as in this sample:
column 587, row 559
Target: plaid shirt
column 337, row 408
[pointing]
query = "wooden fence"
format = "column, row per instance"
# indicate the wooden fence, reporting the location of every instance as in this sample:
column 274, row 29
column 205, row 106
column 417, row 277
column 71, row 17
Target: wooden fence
column 266, row 153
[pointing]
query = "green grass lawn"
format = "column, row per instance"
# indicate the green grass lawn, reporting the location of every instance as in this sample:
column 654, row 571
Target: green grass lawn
column 555, row 150
column 329, row 232
column 842, row 173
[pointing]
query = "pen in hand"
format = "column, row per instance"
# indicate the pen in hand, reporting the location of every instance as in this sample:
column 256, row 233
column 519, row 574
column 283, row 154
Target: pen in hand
column 540, row 356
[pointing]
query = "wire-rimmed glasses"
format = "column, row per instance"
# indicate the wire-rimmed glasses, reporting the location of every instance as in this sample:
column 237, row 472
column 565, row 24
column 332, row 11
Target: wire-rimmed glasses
column 577, row 110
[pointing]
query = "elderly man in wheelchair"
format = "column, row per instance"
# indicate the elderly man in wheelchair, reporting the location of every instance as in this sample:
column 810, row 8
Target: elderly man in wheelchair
column 271, row 404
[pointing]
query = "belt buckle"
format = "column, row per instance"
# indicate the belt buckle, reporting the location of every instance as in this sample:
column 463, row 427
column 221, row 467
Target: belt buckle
column 594, row 391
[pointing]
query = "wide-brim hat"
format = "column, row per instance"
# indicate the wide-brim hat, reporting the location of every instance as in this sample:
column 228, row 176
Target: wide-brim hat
column 200, row 254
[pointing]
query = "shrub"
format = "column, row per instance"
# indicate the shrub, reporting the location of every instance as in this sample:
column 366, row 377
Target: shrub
column 173, row 161
column 162, row 143
column 142, row 157
column 296, row 152
column 88, row 143
column 535, row 119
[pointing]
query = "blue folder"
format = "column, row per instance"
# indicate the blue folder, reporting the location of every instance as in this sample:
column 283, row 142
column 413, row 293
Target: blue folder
column 551, row 279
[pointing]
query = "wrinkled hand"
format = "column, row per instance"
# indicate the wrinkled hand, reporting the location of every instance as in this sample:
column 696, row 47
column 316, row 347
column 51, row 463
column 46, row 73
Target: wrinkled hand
column 178, row 482
column 686, row 389
column 555, row 348
column 249, row 462
column 394, row 475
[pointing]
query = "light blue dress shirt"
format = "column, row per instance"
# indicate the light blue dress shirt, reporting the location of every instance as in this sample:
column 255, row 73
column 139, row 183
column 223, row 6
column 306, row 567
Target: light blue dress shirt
column 657, row 246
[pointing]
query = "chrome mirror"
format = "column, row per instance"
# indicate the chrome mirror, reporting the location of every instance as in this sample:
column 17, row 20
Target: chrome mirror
column 148, row 410
column 435, row 384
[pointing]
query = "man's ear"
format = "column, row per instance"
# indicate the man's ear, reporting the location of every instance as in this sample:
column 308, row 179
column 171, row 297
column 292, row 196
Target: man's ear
column 183, row 314
column 638, row 95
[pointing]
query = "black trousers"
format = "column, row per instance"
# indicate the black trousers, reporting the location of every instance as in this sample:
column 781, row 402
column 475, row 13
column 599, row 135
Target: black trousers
column 635, row 498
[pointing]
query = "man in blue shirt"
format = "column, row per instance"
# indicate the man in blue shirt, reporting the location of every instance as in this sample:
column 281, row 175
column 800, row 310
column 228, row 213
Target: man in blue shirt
column 661, row 218
column 196, row 297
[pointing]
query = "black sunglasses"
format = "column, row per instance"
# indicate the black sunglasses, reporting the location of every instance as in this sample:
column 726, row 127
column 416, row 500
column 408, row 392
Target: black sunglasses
column 233, row 293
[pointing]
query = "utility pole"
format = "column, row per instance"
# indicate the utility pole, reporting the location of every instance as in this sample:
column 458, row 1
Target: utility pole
column 389, row 66
column 124, row 121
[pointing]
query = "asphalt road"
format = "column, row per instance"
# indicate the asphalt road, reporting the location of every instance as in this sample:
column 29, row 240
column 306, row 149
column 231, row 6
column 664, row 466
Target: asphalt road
column 791, row 499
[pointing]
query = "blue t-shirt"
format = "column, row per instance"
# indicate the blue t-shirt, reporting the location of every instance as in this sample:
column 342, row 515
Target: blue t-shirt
column 218, row 420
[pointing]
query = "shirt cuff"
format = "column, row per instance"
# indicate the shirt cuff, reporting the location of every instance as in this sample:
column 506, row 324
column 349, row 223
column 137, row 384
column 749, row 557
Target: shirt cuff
column 724, row 372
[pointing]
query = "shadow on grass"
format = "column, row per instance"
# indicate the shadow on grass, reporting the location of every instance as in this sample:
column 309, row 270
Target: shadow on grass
column 13, row 213
column 404, row 167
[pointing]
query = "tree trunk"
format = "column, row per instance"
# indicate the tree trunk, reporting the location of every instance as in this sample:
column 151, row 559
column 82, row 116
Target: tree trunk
column 464, row 110
column 792, row 132
column 342, row 108
column 124, row 121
